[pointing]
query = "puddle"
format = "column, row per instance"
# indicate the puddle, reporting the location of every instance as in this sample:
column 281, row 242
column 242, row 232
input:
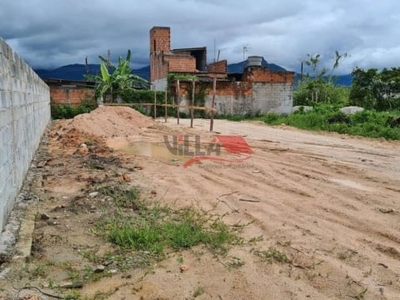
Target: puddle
column 349, row 183
column 182, row 152
column 157, row 151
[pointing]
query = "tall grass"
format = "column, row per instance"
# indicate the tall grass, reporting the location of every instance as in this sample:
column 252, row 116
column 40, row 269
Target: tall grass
column 328, row 118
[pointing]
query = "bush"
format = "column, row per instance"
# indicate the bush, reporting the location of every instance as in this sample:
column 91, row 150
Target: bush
column 329, row 118
column 310, row 91
column 67, row 111
column 147, row 96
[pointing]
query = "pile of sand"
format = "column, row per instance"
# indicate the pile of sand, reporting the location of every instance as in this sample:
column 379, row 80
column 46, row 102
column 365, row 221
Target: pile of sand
column 111, row 121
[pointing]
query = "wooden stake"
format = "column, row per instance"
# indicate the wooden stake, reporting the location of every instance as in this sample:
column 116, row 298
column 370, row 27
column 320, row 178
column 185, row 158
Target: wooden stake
column 178, row 96
column 192, row 104
column 213, row 104
column 155, row 104
column 166, row 107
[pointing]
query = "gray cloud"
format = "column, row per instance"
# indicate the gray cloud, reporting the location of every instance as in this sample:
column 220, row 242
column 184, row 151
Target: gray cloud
column 48, row 33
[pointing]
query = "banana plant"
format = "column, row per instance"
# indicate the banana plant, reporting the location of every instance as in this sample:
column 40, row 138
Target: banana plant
column 120, row 79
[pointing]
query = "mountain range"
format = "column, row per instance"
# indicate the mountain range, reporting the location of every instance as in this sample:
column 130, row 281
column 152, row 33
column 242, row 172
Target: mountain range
column 77, row 72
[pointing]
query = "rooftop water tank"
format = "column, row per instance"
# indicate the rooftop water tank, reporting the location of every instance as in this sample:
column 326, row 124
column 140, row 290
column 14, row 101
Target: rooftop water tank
column 254, row 61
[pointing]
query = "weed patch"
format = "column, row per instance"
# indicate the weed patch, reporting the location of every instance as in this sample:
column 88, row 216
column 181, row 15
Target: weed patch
column 127, row 198
column 271, row 255
column 153, row 228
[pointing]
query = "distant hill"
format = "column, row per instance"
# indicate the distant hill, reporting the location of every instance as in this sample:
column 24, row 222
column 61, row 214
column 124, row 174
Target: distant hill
column 344, row 80
column 238, row 67
column 77, row 72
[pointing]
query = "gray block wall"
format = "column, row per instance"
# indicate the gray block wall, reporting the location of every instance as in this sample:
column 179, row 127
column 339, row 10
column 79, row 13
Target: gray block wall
column 272, row 98
column 24, row 115
column 265, row 98
column 231, row 105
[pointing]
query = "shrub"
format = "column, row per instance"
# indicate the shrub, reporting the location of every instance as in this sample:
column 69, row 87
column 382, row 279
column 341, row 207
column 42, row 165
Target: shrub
column 367, row 123
column 67, row 111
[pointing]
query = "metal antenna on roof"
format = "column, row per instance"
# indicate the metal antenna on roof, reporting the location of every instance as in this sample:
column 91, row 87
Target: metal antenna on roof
column 245, row 49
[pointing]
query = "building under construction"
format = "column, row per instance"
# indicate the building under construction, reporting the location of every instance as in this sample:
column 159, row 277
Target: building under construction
column 255, row 91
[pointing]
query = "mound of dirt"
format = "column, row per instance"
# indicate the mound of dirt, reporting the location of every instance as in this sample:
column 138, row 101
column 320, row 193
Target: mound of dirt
column 108, row 121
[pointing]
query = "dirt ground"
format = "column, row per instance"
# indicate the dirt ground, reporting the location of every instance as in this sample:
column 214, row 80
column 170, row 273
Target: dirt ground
column 328, row 202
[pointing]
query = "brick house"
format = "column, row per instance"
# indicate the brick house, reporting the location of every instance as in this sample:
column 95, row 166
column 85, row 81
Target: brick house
column 255, row 91
column 70, row 92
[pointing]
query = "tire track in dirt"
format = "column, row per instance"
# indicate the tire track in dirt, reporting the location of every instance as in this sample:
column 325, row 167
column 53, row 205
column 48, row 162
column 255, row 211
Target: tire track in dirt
column 316, row 199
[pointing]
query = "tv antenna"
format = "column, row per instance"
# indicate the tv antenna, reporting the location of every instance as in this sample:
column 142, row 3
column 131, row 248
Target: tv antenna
column 245, row 49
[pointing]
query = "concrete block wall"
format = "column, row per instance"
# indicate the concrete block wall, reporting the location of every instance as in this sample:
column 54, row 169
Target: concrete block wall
column 272, row 98
column 244, row 97
column 24, row 115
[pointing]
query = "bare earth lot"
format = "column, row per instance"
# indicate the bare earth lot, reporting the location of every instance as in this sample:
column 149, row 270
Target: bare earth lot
column 327, row 202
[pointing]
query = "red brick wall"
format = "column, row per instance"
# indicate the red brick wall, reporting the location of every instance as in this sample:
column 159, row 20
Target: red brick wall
column 181, row 63
column 160, row 39
column 158, row 66
column 59, row 95
column 160, row 43
column 218, row 67
column 232, row 88
column 261, row 74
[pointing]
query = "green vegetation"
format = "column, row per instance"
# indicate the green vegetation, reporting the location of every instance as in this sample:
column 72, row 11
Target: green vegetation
column 372, row 89
column 321, row 91
column 65, row 111
column 319, row 86
column 118, row 80
column 329, row 118
column 271, row 255
column 154, row 228
column 142, row 233
column 377, row 92
column 198, row 292
column 147, row 96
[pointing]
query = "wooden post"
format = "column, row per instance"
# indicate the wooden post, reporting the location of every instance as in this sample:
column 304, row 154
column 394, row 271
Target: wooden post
column 155, row 104
column 166, row 102
column 192, row 103
column 178, row 96
column 213, row 104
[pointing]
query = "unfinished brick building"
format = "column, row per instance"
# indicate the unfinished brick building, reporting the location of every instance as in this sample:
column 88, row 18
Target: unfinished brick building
column 255, row 91
column 70, row 92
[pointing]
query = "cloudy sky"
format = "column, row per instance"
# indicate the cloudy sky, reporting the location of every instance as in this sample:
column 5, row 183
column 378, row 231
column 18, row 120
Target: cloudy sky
column 52, row 33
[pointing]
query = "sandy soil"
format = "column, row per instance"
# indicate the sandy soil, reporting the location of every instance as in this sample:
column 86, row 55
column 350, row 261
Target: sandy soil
column 329, row 202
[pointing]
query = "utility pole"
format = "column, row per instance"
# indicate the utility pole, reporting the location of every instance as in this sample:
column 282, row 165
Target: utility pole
column 213, row 104
column 86, row 67
column 301, row 70
column 108, row 57
column 215, row 45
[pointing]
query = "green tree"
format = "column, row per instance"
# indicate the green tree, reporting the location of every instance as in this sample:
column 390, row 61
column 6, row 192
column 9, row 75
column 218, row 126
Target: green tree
column 372, row 89
column 319, row 86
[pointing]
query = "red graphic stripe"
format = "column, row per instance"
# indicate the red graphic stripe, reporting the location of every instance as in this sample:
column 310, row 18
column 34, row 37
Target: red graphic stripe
column 233, row 144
